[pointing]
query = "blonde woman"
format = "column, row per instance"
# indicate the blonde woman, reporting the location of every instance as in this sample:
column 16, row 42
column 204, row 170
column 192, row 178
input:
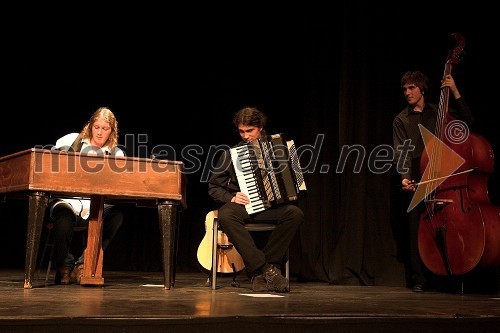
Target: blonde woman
column 99, row 136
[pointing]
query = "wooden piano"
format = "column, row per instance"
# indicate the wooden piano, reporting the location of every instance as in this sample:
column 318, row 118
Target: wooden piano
column 41, row 173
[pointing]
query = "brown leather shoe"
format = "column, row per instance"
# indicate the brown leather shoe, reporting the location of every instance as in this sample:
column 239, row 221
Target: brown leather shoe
column 76, row 274
column 259, row 283
column 63, row 275
column 275, row 281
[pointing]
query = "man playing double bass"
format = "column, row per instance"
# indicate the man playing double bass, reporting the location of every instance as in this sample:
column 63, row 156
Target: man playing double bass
column 414, row 85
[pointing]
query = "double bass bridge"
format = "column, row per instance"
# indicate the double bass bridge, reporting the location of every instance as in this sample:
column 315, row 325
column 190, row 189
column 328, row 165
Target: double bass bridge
column 435, row 205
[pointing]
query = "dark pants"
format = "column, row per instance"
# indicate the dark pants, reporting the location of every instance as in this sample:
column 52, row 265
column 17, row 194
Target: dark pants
column 419, row 273
column 65, row 221
column 288, row 218
column 418, row 270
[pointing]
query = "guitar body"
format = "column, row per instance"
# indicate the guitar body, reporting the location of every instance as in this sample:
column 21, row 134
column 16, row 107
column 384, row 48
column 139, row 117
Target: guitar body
column 229, row 261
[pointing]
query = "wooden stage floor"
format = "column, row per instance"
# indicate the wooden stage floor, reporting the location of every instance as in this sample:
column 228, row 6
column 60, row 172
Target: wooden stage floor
column 137, row 302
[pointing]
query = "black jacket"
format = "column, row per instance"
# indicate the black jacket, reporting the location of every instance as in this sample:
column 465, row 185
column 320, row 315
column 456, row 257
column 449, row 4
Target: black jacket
column 223, row 183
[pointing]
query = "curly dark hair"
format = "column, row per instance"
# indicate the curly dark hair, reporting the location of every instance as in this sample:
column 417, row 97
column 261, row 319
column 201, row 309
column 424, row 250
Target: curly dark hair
column 250, row 116
column 417, row 78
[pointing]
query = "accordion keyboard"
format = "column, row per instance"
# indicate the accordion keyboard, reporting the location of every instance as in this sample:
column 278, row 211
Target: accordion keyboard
column 246, row 178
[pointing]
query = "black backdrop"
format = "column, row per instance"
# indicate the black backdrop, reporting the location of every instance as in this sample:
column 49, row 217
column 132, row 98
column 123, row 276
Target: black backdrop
column 178, row 77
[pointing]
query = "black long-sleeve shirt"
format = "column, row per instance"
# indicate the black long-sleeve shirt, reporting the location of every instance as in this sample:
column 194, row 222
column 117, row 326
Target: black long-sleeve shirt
column 223, row 183
column 405, row 127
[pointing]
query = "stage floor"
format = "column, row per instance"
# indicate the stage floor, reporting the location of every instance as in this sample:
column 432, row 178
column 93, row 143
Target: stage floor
column 137, row 302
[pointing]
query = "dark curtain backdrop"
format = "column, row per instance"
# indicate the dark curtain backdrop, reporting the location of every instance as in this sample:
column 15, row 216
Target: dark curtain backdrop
column 327, row 77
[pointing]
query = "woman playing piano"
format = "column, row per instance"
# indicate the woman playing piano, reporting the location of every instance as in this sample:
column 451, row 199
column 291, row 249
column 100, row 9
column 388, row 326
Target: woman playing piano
column 98, row 136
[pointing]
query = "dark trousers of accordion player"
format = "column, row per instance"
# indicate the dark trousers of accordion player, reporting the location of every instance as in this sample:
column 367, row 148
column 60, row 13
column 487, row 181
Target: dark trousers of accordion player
column 288, row 218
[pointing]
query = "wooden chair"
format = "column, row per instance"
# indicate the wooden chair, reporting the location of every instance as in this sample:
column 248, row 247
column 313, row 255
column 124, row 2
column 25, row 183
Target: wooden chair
column 49, row 244
column 216, row 248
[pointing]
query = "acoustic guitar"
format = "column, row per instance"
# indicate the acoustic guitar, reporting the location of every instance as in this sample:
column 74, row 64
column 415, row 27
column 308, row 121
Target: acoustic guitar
column 229, row 260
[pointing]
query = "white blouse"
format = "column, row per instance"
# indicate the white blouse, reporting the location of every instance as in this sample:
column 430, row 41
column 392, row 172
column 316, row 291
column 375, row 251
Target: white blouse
column 81, row 207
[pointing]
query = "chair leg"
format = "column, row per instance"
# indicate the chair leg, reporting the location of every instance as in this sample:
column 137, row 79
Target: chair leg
column 48, row 243
column 214, row 253
column 235, row 283
column 287, row 267
column 49, row 265
column 287, row 264
column 45, row 245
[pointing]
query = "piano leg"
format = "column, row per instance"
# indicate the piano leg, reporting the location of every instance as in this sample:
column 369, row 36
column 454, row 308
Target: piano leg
column 37, row 204
column 93, row 255
column 167, row 218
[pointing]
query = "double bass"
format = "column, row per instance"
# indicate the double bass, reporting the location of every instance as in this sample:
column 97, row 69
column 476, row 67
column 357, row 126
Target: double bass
column 459, row 230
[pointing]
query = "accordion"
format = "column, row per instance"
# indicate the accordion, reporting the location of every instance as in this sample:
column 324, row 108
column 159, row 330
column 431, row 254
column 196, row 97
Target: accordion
column 268, row 172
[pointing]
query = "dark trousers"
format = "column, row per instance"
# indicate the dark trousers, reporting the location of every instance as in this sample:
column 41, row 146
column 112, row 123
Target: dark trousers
column 65, row 221
column 419, row 273
column 232, row 217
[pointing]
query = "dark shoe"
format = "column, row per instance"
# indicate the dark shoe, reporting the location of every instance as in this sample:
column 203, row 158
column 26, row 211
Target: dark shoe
column 275, row 281
column 259, row 283
column 76, row 274
column 62, row 275
column 418, row 288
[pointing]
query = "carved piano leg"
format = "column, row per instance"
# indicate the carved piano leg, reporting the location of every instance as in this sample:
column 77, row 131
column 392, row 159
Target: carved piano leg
column 37, row 205
column 167, row 219
column 92, row 264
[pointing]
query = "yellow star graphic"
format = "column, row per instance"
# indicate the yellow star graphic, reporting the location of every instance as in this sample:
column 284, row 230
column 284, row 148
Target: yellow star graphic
column 443, row 161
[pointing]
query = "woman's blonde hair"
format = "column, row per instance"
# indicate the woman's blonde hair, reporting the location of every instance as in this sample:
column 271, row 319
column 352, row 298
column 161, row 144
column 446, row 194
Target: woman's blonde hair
column 105, row 114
